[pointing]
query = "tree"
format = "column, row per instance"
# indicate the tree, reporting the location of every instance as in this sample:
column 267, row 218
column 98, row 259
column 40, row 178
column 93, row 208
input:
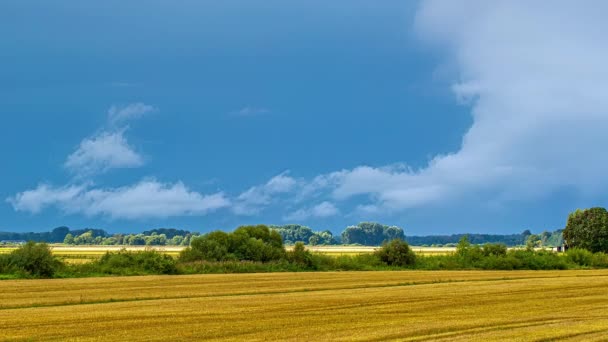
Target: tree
column 299, row 255
column 314, row 240
column 533, row 242
column 58, row 234
column 36, row 259
column 396, row 253
column 588, row 229
column 371, row 234
column 294, row 232
column 69, row 239
column 85, row 238
column 250, row 243
column 176, row 240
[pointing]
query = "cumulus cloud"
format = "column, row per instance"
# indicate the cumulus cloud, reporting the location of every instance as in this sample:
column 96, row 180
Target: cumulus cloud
column 146, row 199
column 34, row 201
column 108, row 150
column 258, row 197
column 321, row 210
column 122, row 114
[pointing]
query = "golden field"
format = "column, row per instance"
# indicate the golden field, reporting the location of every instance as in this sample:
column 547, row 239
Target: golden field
column 348, row 306
column 83, row 254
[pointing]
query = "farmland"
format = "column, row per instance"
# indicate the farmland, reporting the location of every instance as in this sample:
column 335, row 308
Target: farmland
column 409, row 305
column 83, row 253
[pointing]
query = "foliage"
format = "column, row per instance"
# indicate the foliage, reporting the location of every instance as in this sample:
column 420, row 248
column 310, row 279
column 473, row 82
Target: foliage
column 300, row 256
column 495, row 249
column 396, row 253
column 588, row 229
column 477, row 239
column 292, row 233
column 251, row 243
column 168, row 232
column 32, row 259
column 130, row 263
column 371, row 234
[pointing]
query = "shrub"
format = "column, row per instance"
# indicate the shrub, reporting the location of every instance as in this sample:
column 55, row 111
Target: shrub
column 300, row 256
column 600, row 260
column 467, row 253
column 495, row 249
column 132, row 263
column 35, row 259
column 579, row 256
column 396, row 253
column 539, row 260
column 247, row 243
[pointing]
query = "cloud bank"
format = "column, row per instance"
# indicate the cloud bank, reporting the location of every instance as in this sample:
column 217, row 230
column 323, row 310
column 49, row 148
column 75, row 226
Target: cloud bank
column 533, row 73
column 146, row 199
column 535, row 76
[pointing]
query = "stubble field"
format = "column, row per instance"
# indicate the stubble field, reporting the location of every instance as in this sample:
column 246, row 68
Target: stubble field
column 363, row 306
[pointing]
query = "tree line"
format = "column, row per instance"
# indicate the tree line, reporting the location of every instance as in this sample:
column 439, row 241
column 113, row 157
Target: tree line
column 364, row 233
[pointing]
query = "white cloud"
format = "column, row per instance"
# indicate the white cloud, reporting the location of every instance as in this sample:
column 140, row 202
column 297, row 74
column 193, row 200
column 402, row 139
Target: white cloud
column 122, row 114
column 256, row 198
column 34, row 201
column 108, row 150
column 250, row 111
column 146, row 199
column 536, row 78
column 321, row 210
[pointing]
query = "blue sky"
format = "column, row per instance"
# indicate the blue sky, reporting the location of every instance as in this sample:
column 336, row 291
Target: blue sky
column 210, row 114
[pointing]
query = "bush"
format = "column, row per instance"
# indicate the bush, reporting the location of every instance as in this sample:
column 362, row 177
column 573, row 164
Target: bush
column 600, row 260
column 579, row 256
column 539, row 260
column 300, row 256
column 131, row 263
column 495, row 249
column 247, row 243
column 396, row 253
column 34, row 259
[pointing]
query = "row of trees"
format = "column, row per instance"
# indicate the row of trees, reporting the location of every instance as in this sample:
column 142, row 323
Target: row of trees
column 293, row 233
column 371, row 234
column 587, row 229
column 89, row 238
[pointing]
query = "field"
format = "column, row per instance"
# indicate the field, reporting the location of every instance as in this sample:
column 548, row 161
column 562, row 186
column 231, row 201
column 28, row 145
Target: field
column 83, row 254
column 363, row 306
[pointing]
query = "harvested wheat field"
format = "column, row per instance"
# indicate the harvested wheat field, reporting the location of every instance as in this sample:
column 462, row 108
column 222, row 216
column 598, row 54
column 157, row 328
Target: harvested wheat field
column 364, row 306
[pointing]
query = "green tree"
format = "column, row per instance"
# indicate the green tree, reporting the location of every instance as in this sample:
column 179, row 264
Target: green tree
column 251, row 243
column 371, row 234
column 314, row 240
column 396, row 253
column 36, row 259
column 299, row 255
column 588, row 229
column 533, row 242
column 85, row 238
column 176, row 240
column 69, row 239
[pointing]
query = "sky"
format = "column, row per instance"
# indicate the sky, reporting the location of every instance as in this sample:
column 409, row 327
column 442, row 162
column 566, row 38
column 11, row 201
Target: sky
column 436, row 116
